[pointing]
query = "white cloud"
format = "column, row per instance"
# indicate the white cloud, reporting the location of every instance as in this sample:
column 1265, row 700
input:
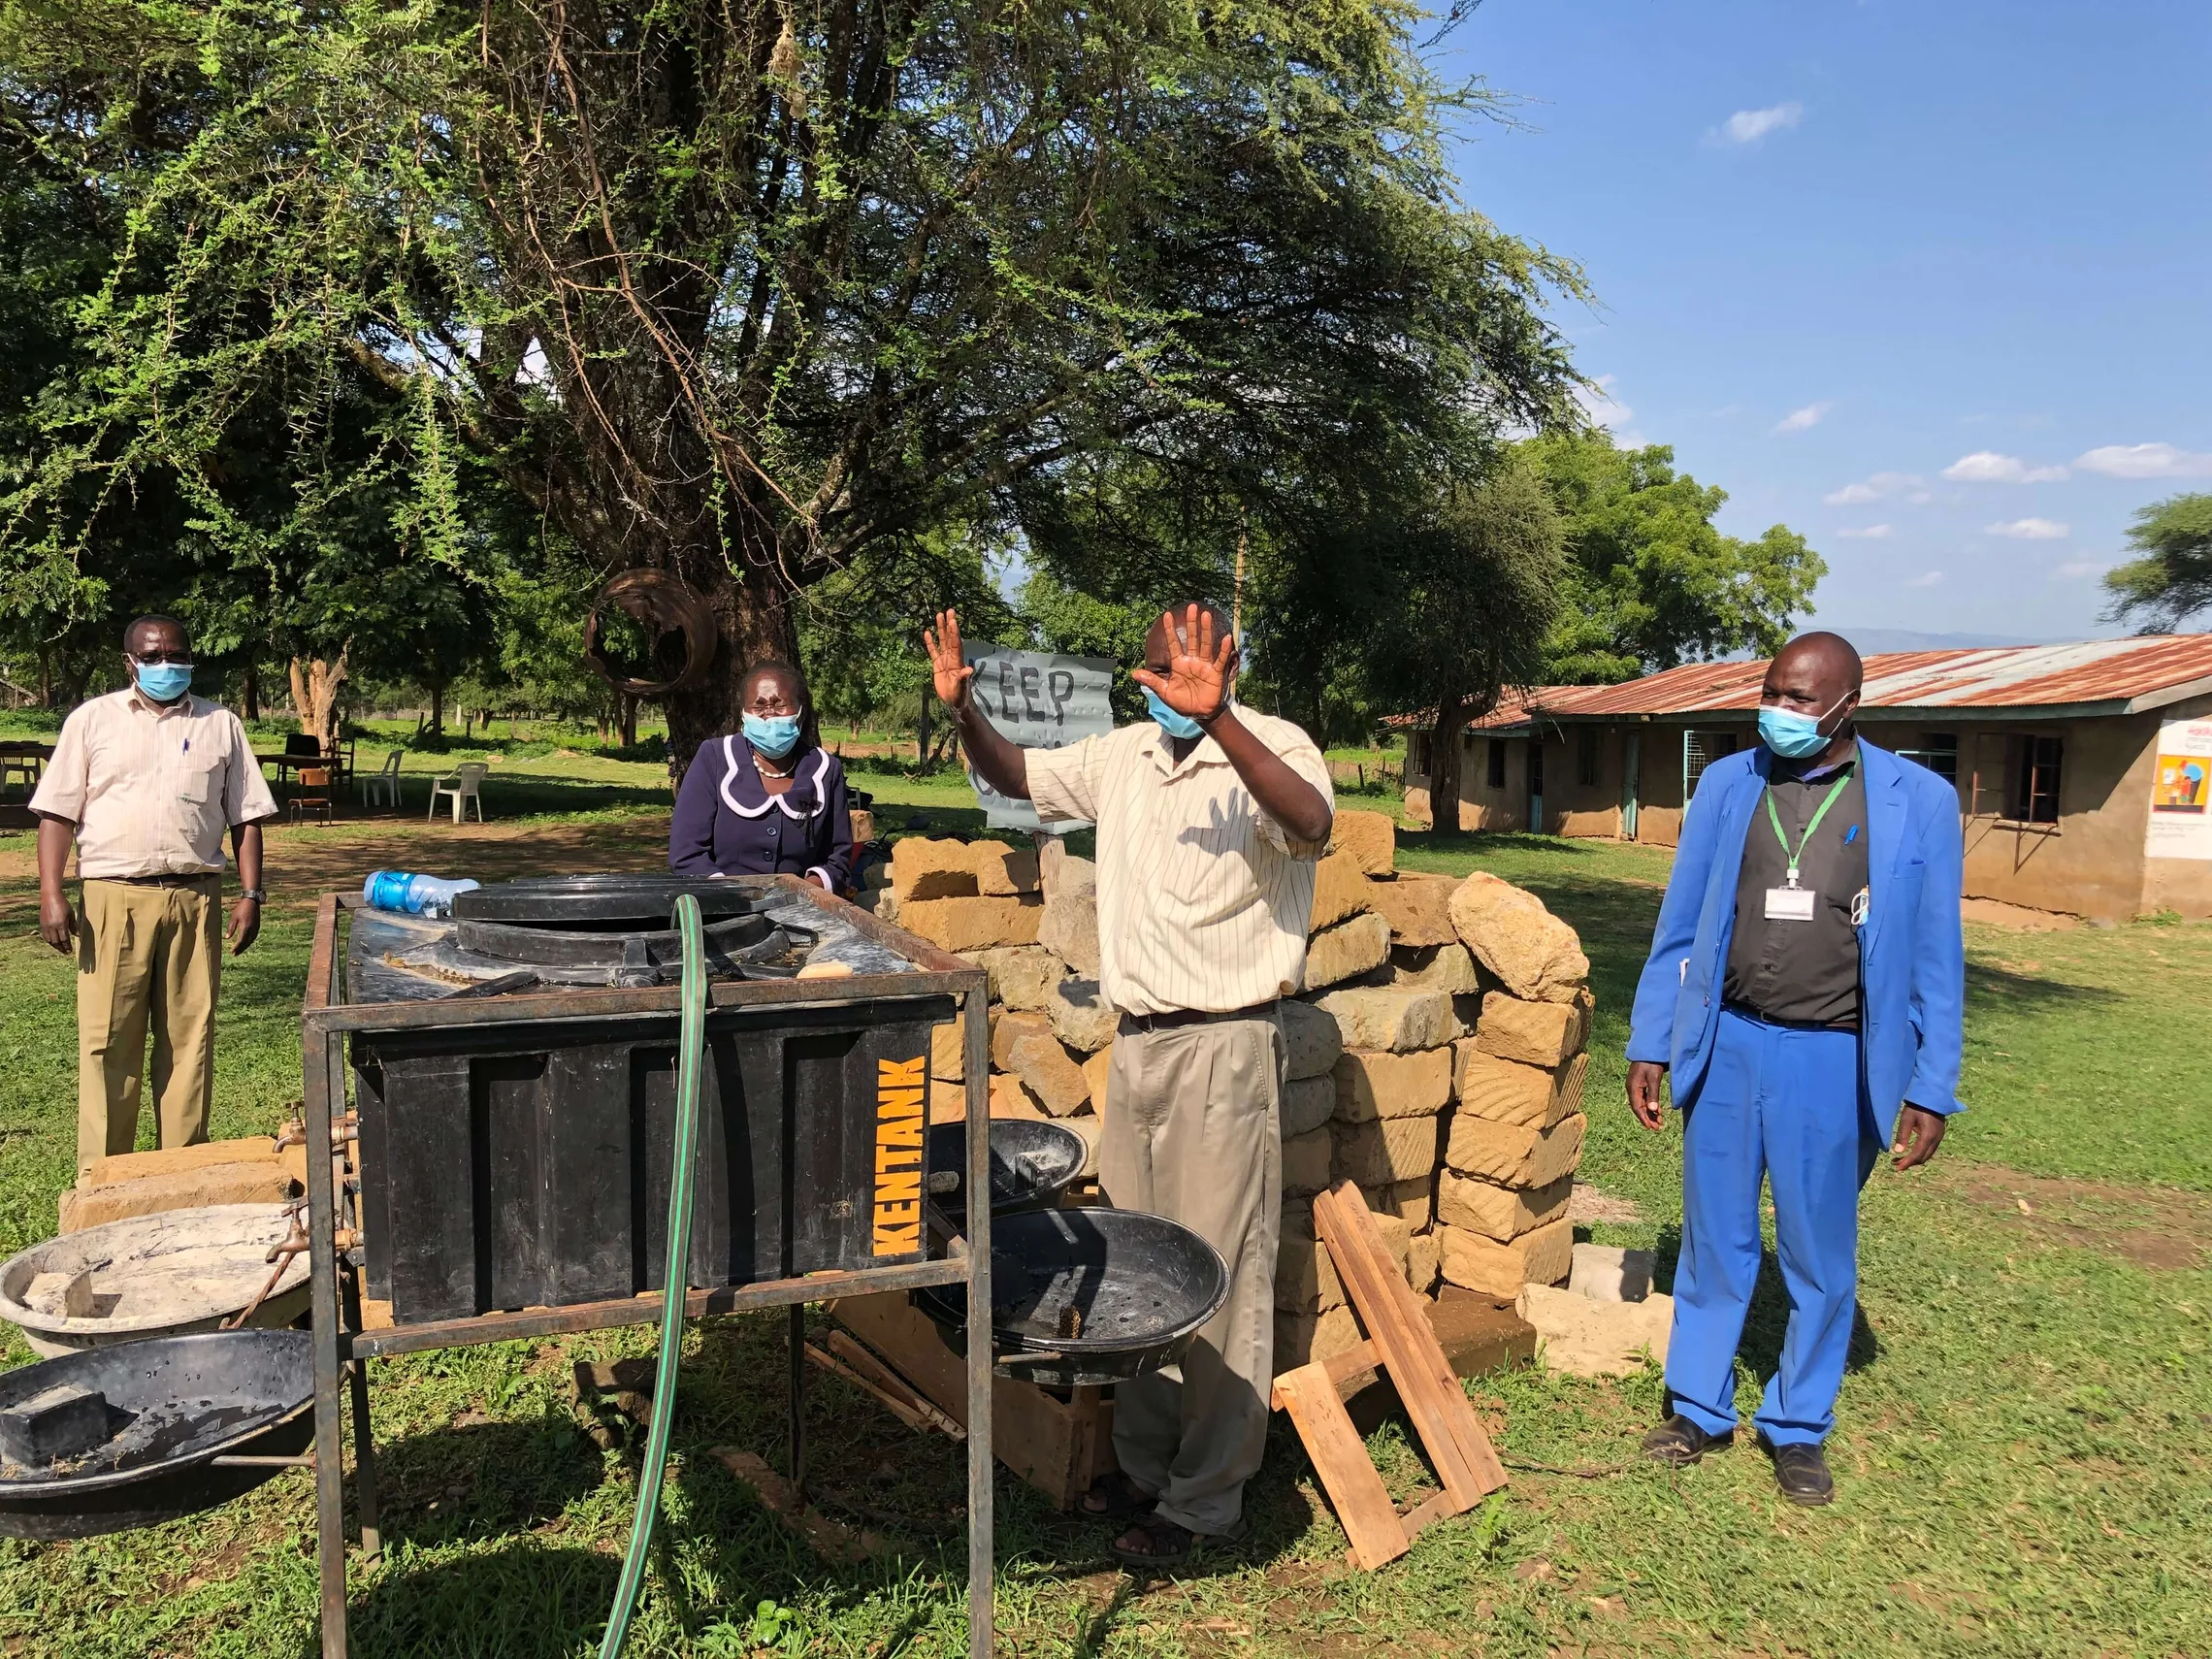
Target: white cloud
column 2077, row 567
column 1926, row 580
column 1988, row 467
column 1875, row 489
column 2145, row 461
column 1801, row 420
column 2030, row 530
column 1871, row 533
column 1599, row 405
column 1749, row 126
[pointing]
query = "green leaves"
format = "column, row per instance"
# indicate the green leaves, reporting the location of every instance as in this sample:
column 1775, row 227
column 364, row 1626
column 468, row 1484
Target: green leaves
column 2172, row 579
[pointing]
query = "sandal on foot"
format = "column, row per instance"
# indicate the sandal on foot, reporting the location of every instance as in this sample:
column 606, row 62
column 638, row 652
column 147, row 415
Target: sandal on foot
column 1114, row 1495
column 1165, row 1546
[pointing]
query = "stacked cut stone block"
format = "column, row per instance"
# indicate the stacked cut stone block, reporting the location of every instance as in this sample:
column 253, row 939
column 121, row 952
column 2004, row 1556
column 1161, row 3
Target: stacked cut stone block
column 1434, row 1055
column 1517, row 1134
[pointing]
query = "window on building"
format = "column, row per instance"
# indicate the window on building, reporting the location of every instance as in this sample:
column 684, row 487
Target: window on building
column 1700, row 749
column 2032, row 780
column 1587, row 752
column 1938, row 752
column 1497, row 764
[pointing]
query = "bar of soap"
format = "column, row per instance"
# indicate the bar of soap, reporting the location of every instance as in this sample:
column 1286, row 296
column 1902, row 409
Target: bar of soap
column 825, row 970
column 60, row 1422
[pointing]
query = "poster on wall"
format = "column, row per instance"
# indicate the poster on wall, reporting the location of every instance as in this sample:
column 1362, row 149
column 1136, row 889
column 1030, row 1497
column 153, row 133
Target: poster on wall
column 2181, row 792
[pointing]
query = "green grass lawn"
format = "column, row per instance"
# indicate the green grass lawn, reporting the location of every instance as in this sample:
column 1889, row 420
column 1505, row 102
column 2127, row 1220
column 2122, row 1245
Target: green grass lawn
column 2023, row 1453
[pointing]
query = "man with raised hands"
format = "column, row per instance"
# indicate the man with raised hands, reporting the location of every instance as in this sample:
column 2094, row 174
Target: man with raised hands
column 1210, row 818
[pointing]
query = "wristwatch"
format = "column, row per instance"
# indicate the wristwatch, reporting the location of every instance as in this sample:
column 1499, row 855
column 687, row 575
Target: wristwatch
column 255, row 893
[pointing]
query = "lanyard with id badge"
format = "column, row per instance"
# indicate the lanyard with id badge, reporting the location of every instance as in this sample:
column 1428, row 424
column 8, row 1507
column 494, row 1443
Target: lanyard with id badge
column 1791, row 902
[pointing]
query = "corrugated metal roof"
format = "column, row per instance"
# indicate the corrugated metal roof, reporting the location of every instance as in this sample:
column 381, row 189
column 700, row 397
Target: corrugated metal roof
column 2112, row 675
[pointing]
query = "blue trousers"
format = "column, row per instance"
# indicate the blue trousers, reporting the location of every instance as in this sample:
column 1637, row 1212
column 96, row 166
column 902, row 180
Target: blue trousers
column 1784, row 1105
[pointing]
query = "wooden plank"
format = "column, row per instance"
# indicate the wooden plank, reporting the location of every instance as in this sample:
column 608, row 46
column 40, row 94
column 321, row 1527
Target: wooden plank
column 898, row 1402
column 1363, row 1509
column 874, row 1371
column 1438, row 1507
column 1341, row 1219
column 1060, row 1448
column 1466, row 1428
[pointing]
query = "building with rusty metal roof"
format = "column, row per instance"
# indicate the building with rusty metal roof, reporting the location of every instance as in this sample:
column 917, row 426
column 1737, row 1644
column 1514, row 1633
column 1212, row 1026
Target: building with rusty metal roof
column 2082, row 768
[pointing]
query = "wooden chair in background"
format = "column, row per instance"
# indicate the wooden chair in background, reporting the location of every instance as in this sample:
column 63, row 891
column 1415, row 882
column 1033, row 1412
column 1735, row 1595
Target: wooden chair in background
column 313, row 796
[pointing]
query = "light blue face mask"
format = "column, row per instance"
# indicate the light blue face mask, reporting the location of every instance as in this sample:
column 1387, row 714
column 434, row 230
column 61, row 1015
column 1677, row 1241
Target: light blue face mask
column 1791, row 734
column 775, row 736
column 1175, row 725
column 164, row 682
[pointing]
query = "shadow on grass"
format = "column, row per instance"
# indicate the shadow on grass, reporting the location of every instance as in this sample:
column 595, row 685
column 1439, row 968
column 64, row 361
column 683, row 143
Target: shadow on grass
column 1999, row 990
column 476, row 1480
column 521, row 1596
column 1767, row 1321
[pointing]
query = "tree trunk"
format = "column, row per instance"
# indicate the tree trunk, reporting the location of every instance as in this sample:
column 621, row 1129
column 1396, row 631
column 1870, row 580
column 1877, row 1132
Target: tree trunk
column 752, row 620
column 252, row 689
column 314, row 695
column 628, row 726
column 1443, row 762
column 438, row 710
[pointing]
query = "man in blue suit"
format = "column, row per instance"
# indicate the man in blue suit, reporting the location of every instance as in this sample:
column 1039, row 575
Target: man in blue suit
column 1804, row 991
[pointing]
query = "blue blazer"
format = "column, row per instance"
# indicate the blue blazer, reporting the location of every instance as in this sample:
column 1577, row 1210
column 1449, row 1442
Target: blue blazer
column 1912, row 968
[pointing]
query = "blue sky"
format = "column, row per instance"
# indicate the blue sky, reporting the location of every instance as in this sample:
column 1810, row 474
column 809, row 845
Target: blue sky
column 1929, row 282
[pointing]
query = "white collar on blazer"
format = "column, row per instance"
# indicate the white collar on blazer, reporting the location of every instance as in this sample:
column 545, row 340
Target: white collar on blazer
column 811, row 783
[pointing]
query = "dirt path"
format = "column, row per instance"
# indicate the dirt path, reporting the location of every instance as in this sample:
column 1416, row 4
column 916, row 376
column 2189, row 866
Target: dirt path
column 2162, row 1227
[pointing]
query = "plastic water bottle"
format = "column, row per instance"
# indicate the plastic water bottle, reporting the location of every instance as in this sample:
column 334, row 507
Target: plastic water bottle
column 414, row 895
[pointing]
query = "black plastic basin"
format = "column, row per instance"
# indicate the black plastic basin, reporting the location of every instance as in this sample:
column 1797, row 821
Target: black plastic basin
column 1140, row 1286
column 178, row 1404
column 1031, row 1163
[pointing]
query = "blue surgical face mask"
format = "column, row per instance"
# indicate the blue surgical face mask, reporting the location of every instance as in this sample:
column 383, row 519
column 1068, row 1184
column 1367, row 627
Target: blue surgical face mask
column 1175, row 725
column 164, row 682
column 775, row 736
column 1791, row 734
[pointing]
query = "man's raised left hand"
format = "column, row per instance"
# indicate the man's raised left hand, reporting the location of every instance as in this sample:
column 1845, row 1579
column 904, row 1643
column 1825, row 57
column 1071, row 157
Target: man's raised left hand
column 1197, row 678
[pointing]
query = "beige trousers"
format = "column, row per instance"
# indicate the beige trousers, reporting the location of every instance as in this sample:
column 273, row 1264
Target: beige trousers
column 1193, row 1132
column 145, row 954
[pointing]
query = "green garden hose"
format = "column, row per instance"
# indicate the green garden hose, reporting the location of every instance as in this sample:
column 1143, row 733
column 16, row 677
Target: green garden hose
column 691, row 1055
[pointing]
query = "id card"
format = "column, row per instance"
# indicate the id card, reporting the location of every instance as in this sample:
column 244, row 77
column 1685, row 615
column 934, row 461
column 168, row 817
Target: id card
column 1790, row 903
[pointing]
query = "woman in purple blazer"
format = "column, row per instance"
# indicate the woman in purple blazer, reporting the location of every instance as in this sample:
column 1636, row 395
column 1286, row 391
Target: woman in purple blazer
column 765, row 800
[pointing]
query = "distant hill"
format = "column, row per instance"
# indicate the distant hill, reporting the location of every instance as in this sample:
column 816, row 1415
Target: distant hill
column 1871, row 641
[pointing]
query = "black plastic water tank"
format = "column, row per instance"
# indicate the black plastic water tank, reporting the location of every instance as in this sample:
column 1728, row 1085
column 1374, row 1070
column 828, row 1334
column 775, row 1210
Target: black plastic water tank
column 512, row 1164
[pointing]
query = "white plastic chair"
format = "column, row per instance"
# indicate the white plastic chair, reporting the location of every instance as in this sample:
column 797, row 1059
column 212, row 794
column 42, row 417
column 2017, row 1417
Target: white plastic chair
column 382, row 786
column 463, row 785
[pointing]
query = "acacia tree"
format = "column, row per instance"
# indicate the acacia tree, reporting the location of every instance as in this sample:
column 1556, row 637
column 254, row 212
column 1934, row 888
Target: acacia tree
column 2169, row 580
column 743, row 289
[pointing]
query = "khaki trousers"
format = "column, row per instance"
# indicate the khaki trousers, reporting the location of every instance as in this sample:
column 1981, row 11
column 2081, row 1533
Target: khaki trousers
column 145, row 954
column 1192, row 1131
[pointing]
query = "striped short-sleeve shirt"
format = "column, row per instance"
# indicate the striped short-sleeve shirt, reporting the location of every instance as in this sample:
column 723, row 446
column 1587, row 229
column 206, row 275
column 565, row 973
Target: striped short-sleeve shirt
column 1203, row 898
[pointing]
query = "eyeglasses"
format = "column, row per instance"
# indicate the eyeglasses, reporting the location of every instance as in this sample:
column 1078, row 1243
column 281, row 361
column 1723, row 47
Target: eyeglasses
column 159, row 659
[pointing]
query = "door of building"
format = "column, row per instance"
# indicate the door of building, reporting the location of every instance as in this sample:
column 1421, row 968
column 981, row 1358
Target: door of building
column 1631, row 781
column 1536, row 785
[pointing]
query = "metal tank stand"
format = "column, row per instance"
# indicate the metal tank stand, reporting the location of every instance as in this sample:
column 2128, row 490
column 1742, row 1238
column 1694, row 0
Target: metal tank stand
column 342, row 1349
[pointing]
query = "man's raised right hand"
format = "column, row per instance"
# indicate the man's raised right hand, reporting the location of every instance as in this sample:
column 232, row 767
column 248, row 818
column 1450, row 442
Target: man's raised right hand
column 946, row 664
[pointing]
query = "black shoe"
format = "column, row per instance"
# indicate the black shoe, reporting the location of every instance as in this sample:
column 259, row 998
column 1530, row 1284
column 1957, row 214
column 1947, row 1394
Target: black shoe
column 1802, row 1472
column 1679, row 1442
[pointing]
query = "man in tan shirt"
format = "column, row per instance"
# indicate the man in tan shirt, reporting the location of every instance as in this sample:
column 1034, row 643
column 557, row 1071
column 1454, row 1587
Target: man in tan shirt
column 1210, row 818
column 144, row 781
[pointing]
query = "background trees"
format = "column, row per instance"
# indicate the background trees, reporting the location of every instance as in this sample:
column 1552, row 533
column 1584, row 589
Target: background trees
column 1649, row 581
column 2170, row 580
column 750, row 291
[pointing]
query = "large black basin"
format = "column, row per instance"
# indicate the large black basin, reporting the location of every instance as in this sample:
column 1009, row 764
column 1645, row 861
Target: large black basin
column 1140, row 1288
column 1031, row 1163
column 190, row 1400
